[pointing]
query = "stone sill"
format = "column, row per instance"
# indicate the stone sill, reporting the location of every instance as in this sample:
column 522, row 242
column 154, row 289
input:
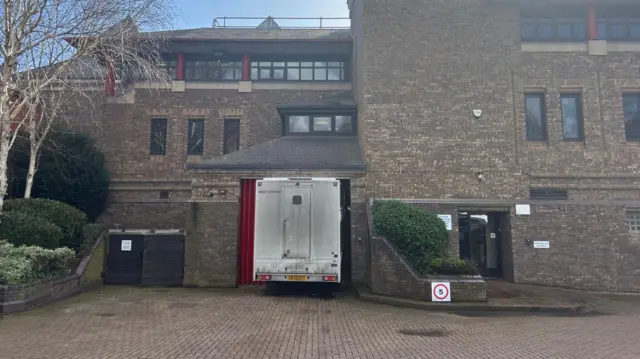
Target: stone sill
column 592, row 47
column 245, row 86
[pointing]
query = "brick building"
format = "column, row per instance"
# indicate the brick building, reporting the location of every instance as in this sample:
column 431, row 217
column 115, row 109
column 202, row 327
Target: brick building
column 521, row 122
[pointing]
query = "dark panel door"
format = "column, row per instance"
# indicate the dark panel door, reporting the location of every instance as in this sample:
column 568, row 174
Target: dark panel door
column 231, row 135
column 124, row 259
column 163, row 260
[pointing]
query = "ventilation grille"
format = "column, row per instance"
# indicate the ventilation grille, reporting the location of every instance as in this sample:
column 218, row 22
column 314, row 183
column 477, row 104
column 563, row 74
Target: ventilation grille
column 557, row 194
column 164, row 195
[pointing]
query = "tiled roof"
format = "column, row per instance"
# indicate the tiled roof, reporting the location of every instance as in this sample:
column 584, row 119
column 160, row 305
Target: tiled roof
column 338, row 153
column 209, row 33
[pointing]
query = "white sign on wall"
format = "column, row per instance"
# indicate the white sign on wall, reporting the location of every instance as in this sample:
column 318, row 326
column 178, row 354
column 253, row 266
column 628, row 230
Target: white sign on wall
column 125, row 245
column 541, row 244
column 446, row 218
column 440, row 291
column 523, row 209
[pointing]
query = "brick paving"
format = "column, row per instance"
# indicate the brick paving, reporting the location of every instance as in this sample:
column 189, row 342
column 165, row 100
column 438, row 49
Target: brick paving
column 137, row 323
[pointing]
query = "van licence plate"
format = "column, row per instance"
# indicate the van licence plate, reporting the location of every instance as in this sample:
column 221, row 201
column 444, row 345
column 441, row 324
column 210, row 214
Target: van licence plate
column 297, row 277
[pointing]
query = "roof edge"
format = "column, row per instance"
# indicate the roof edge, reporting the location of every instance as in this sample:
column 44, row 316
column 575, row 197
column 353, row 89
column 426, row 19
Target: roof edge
column 267, row 167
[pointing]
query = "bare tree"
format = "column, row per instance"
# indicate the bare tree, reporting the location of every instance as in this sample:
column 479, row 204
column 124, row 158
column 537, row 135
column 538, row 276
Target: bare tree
column 48, row 49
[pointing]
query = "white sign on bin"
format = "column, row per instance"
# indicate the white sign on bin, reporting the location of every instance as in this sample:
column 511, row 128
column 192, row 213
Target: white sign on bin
column 446, row 218
column 125, row 245
column 440, row 291
column 541, row 244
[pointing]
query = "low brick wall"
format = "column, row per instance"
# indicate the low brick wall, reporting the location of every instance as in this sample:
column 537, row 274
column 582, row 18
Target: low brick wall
column 391, row 275
column 20, row 298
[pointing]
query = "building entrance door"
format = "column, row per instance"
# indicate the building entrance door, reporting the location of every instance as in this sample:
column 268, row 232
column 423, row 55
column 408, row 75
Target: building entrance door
column 480, row 241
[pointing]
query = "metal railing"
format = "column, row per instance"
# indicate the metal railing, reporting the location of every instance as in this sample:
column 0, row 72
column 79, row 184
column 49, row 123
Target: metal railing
column 276, row 23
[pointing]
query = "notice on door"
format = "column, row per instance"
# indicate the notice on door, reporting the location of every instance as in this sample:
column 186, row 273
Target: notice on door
column 440, row 291
column 125, row 245
column 446, row 218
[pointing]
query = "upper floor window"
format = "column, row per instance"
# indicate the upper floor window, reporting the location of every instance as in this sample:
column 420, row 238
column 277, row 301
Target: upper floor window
column 618, row 23
column 554, row 24
column 320, row 124
column 298, row 70
column 195, row 142
column 206, row 69
column 554, row 29
column 535, row 117
column 572, row 123
column 158, row 142
column 633, row 222
column 631, row 107
column 170, row 64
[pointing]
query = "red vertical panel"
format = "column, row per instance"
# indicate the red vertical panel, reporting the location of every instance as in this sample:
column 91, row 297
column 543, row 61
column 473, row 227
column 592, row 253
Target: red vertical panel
column 247, row 226
column 180, row 69
column 246, row 72
column 110, row 82
column 592, row 23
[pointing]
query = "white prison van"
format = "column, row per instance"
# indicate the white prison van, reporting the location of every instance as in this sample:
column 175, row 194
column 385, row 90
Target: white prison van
column 297, row 230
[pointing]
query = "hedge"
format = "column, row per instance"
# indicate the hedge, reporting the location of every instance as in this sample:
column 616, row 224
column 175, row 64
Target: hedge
column 21, row 228
column 28, row 264
column 451, row 266
column 420, row 236
column 69, row 219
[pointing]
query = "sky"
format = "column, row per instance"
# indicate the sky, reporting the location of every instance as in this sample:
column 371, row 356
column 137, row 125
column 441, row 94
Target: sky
column 200, row 13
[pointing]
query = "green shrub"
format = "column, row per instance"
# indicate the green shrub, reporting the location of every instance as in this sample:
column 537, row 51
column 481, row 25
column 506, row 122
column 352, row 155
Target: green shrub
column 21, row 228
column 69, row 219
column 451, row 266
column 418, row 235
column 91, row 232
column 26, row 264
column 71, row 169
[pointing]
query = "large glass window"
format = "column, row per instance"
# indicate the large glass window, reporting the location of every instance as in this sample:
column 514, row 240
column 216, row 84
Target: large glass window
column 170, row 64
column 619, row 29
column 572, row 123
column 203, row 69
column 535, row 117
column 554, row 30
column 298, row 71
column 158, row 142
column 327, row 124
column 631, row 108
column 195, row 143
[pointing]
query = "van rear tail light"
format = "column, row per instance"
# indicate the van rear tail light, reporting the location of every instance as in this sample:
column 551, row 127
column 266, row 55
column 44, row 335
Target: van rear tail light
column 263, row 277
column 329, row 278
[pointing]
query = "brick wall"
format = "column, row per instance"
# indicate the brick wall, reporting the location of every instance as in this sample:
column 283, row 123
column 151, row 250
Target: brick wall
column 154, row 215
column 211, row 244
column 390, row 275
column 590, row 248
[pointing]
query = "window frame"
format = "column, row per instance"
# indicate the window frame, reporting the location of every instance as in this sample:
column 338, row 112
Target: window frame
column 543, row 119
column 311, row 120
column 190, row 122
column 633, row 221
column 162, row 150
column 627, row 136
column 580, row 115
column 299, row 64
column 227, row 123
column 213, row 65
column 537, row 22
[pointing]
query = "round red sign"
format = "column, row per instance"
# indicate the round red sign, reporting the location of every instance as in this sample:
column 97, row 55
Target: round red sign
column 440, row 292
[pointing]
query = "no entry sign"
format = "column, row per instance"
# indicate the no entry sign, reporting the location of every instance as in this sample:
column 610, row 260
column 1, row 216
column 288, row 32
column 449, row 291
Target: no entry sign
column 440, row 292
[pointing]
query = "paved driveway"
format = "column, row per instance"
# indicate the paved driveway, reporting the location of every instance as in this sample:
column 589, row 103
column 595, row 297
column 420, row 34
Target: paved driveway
column 127, row 323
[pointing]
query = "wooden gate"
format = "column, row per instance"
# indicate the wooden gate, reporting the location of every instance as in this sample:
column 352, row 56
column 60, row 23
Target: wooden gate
column 145, row 258
column 246, row 232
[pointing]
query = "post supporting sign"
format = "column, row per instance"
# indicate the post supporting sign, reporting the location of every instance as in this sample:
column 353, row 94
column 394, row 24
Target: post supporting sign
column 440, row 291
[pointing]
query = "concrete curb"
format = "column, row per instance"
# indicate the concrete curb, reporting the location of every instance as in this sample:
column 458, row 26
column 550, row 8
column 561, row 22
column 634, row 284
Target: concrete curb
column 365, row 295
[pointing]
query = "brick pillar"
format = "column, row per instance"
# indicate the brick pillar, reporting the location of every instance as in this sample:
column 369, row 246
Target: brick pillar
column 246, row 68
column 592, row 23
column 110, row 81
column 180, row 69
